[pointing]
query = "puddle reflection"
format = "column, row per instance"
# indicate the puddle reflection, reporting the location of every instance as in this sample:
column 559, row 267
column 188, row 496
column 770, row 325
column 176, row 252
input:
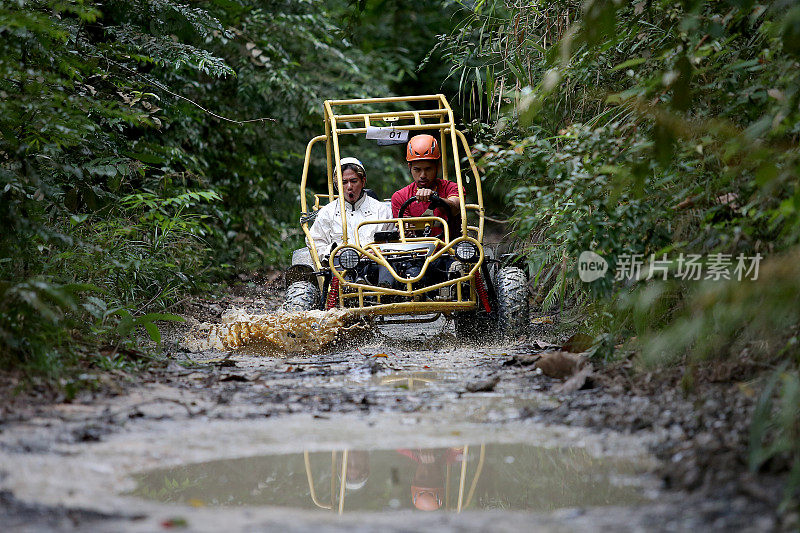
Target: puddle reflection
column 456, row 478
column 409, row 380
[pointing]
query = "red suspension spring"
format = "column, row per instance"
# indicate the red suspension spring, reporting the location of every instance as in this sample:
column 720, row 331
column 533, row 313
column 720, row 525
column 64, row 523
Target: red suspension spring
column 482, row 293
column 333, row 294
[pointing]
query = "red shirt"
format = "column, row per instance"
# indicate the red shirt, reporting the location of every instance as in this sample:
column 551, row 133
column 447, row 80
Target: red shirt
column 445, row 189
column 450, row 455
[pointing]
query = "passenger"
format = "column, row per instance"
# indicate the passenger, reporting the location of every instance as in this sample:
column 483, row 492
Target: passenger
column 357, row 470
column 359, row 207
column 423, row 156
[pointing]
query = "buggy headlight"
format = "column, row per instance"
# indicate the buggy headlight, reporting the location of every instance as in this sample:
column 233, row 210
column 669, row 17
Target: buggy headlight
column 348, row 258
column 466, row 252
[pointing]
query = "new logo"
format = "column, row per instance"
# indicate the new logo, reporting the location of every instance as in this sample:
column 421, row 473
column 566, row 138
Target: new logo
column 591, row 266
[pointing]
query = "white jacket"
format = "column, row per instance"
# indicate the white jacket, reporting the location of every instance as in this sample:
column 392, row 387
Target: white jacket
column 327, row 228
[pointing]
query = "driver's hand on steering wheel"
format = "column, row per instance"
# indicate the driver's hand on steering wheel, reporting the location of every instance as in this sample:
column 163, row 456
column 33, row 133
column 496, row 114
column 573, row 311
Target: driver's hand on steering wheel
column 424, row 195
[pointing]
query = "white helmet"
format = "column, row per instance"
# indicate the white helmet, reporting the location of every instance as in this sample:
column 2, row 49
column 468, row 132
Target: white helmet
column 353, row 161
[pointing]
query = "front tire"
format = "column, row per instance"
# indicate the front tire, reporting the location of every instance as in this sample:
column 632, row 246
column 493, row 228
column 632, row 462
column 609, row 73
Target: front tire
column 511, row 286
column 301, row 296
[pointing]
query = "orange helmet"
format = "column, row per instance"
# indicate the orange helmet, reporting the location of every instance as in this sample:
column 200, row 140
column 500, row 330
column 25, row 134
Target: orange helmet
column 426, row 499
column 422, row 147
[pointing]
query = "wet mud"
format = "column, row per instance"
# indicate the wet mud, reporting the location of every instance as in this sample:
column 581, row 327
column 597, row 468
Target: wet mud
column 406, row 421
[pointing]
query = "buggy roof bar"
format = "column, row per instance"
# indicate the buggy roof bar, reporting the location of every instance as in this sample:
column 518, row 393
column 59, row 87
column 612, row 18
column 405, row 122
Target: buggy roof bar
column 332, row 131
column 438, row 117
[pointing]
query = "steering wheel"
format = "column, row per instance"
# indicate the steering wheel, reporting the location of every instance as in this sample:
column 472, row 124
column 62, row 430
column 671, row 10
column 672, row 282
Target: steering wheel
column 435, row 201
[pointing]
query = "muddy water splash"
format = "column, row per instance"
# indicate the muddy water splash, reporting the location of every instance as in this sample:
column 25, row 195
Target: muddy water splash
column 274, row 333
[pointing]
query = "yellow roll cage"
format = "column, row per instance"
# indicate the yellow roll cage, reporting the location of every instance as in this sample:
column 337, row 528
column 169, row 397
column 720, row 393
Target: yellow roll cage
column 437, row 115
column 337, row 498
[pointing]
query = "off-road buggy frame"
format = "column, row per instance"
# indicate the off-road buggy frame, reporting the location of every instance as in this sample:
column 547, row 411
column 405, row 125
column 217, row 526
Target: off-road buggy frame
column 449, row 274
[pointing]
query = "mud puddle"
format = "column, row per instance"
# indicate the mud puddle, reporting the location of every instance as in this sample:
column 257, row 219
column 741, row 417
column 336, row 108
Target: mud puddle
column 412, row 381
column 402, row 380
column 218, row 440
column 455, row 478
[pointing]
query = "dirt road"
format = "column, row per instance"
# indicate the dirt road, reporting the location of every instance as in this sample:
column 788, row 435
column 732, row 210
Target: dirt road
column 368, row 436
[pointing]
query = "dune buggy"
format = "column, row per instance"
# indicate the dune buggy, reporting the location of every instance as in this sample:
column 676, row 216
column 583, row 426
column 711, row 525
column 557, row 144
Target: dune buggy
column 450, row 274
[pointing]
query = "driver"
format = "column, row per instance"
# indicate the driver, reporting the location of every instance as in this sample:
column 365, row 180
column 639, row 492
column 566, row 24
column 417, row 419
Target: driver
column 423, row 155
column 359, row 207
column 429, row 481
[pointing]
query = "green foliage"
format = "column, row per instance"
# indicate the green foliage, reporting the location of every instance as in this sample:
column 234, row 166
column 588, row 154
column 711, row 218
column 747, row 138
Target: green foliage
column 637, row 127
column 36, row 321
column 128, row 323
column 149, row 147
column 652, row 128
column 775, row 432
column 43, row 324
column 717, row 319
column 572, row 194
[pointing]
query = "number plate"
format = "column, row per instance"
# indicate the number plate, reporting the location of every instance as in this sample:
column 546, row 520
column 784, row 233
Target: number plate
column 387, row 134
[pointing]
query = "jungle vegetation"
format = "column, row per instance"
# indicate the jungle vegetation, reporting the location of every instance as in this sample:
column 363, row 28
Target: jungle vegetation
column 151, row 147
column 662, row 131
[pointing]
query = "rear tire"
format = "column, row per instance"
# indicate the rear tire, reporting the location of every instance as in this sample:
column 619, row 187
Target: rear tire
column 301, row 296
column 511, row 285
